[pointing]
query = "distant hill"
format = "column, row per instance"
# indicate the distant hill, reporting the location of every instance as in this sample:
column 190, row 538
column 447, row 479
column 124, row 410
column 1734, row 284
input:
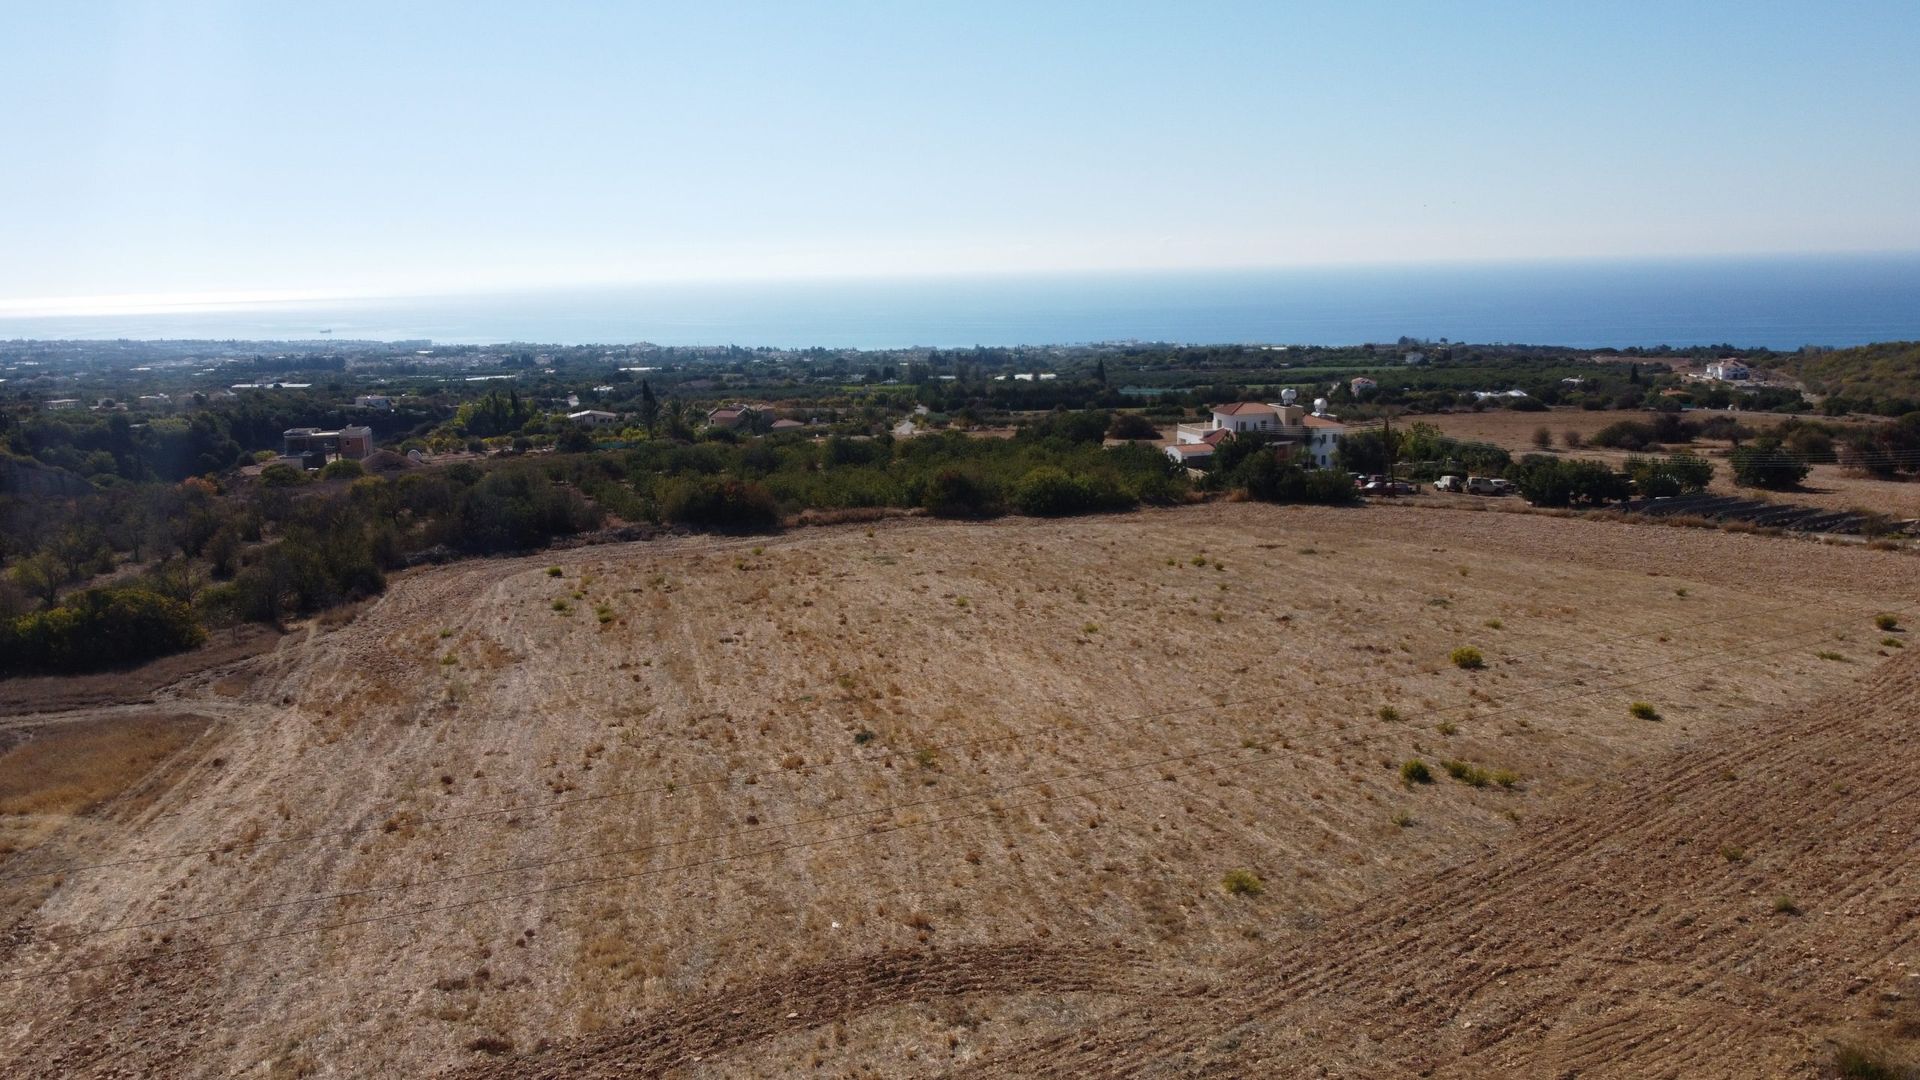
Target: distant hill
column 1883, row 378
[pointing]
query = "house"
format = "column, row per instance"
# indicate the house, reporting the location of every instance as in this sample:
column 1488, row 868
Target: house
column 1362, row 385
column 1415, row 359
column 1323, row 440
column 730, row 416
column 374, row 401
column 1237, row 417
column 1311, row 439
column 353, row 443
column 593, row 418
column 1729, row 370
column 58, row 404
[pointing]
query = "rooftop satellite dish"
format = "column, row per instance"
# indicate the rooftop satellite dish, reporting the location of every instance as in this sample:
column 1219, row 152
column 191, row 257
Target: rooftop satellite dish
column 1287, row 396
column 1319, row 405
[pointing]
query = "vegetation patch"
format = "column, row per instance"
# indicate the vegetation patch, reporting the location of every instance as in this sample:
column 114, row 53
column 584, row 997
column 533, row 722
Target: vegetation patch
column 1467, row 658
column 1415, row 771
column 1243, row 883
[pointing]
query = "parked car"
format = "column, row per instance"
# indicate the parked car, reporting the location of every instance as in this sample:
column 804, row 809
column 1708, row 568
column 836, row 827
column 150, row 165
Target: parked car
column 1503, row 486
column 1450, row 483
column 1482, row 485
column 1387, row 487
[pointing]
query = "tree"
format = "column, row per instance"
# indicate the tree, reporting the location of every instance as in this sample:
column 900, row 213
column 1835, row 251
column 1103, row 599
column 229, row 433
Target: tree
column 1550, row 481
column 649, row 408
column 42, row 575
column 1132, row 426
column 1543, row 438
column 1679, row 474
column 1766, row 464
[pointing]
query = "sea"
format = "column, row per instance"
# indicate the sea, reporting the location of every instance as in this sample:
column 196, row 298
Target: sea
column 1775, row 302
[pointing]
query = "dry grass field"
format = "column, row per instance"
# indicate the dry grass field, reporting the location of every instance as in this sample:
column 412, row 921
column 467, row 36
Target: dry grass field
column 1045, row 797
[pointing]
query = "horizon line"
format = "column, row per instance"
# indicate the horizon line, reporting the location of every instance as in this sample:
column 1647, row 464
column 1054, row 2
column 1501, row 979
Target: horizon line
column 217, row 300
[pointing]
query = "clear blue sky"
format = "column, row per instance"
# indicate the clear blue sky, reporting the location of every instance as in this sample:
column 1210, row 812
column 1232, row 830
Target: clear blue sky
column 188, row 147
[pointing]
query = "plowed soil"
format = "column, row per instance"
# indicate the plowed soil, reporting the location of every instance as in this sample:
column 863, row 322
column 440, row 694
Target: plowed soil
column 934, row 798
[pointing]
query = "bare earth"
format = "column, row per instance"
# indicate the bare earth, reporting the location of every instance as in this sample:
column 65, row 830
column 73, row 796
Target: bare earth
column 941, row 797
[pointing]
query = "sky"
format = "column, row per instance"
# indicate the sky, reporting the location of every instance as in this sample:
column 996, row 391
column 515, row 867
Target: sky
column 204, row 149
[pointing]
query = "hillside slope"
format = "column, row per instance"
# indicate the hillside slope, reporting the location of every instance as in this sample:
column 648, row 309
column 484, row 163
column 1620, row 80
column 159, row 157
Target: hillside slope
column 901, row 800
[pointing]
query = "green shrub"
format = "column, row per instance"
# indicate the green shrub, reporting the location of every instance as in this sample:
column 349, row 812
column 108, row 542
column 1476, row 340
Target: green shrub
column 1766, row 464
column 554, row 571
column 282, row 475
column 1467, row 658
column 955, row 493
column 1051, row 491
column 97, row 629
column 1643, row 711
column 1415, row 771
column 1242, row 883
column 1470, row 775
column 1403, row 818
column 343, row 469
column 1887, row 622
column 719, row 503
column 1390, row 714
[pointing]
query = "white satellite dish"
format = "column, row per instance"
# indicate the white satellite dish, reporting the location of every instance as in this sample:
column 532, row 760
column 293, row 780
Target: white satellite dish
column 1287, row 395
column 1319, row 405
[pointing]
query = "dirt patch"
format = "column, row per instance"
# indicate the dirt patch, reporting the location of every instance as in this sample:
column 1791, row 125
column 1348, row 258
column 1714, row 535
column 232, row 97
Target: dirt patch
column 47, row 694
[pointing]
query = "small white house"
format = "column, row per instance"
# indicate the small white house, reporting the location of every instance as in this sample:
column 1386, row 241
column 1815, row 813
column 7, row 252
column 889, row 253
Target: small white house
column 1729, row 370
column 594, row 418
column 1362, row 385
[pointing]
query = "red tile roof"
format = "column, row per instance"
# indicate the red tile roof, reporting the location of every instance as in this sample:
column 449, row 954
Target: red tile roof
column 1241, row 408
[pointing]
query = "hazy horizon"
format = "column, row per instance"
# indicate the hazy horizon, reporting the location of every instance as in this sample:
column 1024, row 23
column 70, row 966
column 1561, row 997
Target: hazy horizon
column 1750, row 302
column 216, row 148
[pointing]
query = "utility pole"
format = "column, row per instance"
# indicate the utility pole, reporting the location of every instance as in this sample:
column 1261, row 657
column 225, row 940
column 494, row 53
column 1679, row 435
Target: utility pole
column 1386, row 444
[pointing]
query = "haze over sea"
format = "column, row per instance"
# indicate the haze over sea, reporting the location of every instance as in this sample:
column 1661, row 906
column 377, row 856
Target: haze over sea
column 1774, row 302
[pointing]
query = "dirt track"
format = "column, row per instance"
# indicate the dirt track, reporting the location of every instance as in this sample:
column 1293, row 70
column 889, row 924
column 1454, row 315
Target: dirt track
column 958, row 795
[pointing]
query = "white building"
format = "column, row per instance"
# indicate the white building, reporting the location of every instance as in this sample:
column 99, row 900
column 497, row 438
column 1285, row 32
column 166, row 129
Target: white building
column 1312, row 440
column 1729, row 370
column 374, row 401
column 1362, row 385
column 593, row 418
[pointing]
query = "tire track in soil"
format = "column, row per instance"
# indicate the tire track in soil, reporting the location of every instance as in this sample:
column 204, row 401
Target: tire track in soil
column 730, row 1020
column 1618, row 939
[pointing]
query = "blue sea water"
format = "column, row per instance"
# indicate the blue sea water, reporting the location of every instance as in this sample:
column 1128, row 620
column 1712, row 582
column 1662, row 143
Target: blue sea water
column 1780, row 303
